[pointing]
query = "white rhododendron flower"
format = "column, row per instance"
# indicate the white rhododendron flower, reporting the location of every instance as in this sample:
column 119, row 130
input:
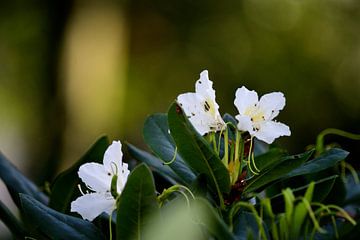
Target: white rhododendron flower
column 201, row 108
column 97, row 178
column 256, row 116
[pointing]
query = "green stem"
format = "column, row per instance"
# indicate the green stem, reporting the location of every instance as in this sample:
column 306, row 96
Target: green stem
column 237, row 162
column 226, row 147
column 176, row 188
column 320, row 138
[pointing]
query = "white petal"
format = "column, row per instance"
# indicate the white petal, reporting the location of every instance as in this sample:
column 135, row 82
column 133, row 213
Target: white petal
column 204, row 118
column 122, row 177
column 271, row 104
column 91, row 205
column 113, row 157
column 244, row 99
column 270, row 130
column 204, row 87
column 244, row 124
column 95, row 176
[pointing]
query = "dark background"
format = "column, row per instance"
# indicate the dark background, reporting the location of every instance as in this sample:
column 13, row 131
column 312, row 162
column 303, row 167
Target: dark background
column 71, row 71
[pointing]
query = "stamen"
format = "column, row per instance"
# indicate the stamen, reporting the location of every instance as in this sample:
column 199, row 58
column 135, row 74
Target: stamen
column 81, row 191
column 116, row 168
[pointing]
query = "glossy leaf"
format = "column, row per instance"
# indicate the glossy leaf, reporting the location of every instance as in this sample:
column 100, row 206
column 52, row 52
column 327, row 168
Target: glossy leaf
column 155, row 163
column 197, row 152
column 157, row 136
column 17, row 183
column 278, row 172
column 137, row 202
column 54, row 224
column 64, row 188
column 322, row 189
column 328, row 159
column 271, row 158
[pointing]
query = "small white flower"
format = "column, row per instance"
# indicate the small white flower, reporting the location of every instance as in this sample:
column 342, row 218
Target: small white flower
column 256, row 116
column 201, row 108
column 97, row 178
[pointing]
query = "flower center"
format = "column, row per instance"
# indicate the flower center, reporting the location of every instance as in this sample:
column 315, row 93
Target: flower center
column 209, row 107
column 255, row 113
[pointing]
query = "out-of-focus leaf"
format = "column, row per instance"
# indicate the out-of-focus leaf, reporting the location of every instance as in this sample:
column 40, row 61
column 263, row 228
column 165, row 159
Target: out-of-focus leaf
column 157, row 136
column 197, row 152
column 211, row 220
column 278, row 172
column 137, row 202
column 64, row 188
column 11, row 222
column 155, row 163
column 54, row 224
column 326, row 160
column 191, row 220
column 17, row 183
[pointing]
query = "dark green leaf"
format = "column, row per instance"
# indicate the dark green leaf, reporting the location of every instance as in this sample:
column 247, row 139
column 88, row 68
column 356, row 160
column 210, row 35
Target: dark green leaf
column 352, row 193
column 322, row 189
column 197, row 152
column 328, row 159
column 17, row 183
column 54, row 224
column 155, row 163
column 64, row 188
column 278, row 172
column 156, row 135
column 271, row 158
column 11, row 222
column 136, row 203
column 245, row 224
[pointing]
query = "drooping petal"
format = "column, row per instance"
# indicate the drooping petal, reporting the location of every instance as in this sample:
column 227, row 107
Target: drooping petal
column 270, row 130
column 113, row 157
column 95, row 176
column 91, row 205
column 271, row 104
column 204, row 87
column 244, row 123
column 244, row 99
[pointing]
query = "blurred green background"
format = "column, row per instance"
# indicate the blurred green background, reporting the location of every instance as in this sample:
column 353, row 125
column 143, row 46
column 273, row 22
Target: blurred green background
column 71, row 71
